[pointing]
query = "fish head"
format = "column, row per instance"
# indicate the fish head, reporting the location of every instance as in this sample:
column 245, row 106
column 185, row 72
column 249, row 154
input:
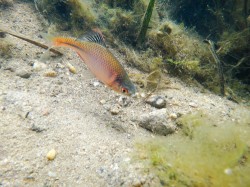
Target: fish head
column 124, row 86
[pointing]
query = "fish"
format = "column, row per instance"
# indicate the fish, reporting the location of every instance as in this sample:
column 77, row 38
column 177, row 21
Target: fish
column 92, row 49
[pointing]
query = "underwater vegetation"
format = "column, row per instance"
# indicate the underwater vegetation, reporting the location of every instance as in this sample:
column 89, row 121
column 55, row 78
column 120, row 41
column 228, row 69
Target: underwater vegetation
column 5, row 3
column 173, row 36
column 71, row 14
column 205, row 152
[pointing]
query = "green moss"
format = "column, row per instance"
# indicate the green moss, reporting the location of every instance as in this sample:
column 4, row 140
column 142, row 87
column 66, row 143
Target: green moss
column 217, row 155
column 72, row 14
column 6, row 3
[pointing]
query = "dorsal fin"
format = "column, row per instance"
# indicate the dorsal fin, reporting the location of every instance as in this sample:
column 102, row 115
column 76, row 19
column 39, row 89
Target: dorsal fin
column 94, row 36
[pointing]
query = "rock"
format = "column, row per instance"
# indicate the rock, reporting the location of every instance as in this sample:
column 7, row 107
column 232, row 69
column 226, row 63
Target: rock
column 114, row 110
column 96, row 83
column 192, row 104
column 51, row 174
column 71, row 68
column 143, row 95
column 51, row 154
column 36, row 129
column 173, row 116
column 156, row 101
column 23, row 74
column 50, row 73
column 156, row 122
column 38, row 66
column 102, row 101
column 123, row 101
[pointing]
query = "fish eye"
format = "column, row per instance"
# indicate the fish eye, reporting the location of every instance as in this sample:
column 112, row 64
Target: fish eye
column 124, row 90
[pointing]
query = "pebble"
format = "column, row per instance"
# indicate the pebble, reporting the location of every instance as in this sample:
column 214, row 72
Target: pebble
column 173, row 116
column 156, row 101
column 23, row 74
column 102, row 101
column 96, row 83
column 143, row 95
column 50, row 73
column 36, row 128
column 123, row 101
column 38, row 66
column 115, row 110
column 51, row 154
column 11, row 69
column 156, row 122
column 228, row 171
column 51, row 174
column 192, row 104
column 72, row 69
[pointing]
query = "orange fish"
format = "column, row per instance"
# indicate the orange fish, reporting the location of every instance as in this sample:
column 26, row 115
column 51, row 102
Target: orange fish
column 101, row 62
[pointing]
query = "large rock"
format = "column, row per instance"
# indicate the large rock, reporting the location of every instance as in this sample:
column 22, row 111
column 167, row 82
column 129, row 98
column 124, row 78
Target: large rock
column 156, row 122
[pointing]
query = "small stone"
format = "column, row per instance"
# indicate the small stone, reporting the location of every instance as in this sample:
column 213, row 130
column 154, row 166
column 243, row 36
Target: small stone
column 96, row 83
column 36, row 129
column 173, row 116
column 11, row 69
column 192, row 104
column 156, row 122
column 51, row 154
column 143, row 95
column 50, row 74
column 156, row 101
column 38, row 66
column 123, row 101
column 51, row 174
column 23, row 74
column 2, row 34
column 102, row 101
column 114, row 110
column 228, row 171
column 72, row 69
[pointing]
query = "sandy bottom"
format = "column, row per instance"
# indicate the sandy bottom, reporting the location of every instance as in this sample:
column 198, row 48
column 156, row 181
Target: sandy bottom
column 64, row 113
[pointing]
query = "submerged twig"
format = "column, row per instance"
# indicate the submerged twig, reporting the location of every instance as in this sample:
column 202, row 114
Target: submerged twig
column 31, row 41
column 145, row 23
column 219, row 66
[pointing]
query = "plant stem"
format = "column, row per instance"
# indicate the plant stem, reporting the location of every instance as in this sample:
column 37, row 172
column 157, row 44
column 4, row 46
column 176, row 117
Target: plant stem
column 219, row 66
column 145, row 23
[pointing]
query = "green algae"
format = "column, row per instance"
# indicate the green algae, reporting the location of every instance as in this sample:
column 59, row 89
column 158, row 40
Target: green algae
column 6, row 3
column 207, row 152
column 73, row 14
column 180, row 49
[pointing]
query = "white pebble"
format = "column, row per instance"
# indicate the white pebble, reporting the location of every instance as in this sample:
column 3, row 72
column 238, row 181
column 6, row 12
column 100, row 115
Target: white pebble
column 102, row 101
column 173, row 116
column 96, row 83
column 38, row 66
column 51, row 154
column 228, row 171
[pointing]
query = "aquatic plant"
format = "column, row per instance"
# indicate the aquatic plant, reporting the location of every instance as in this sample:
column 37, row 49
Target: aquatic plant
column 145, row 22
column 6, row 3
column 76, row 14
column 207, row 153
